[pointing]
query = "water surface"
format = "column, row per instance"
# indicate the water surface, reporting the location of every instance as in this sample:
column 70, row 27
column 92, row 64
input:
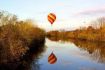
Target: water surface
column 73, row 55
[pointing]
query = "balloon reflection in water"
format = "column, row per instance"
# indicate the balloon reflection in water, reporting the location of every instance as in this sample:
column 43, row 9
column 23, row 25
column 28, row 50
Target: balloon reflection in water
column 52, row 58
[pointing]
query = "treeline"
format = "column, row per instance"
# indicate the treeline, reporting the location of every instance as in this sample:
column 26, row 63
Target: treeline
column 17, row 36
column 94, row 32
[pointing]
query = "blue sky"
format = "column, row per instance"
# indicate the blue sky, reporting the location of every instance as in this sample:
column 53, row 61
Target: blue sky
column 70, row 14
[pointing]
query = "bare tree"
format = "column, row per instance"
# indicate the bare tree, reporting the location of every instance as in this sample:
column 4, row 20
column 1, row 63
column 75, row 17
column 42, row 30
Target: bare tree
column 98, row 23
column 101, row 22
column 6, row 18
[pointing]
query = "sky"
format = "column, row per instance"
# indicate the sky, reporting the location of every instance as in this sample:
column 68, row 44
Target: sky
column 71, row 14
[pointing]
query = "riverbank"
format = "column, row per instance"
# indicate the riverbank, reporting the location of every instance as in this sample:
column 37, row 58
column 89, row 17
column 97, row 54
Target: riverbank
column 90, row 35
column 17, row 37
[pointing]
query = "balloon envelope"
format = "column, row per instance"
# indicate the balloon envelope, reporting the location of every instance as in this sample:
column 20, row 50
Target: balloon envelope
column 51, row 18
column 52, row 58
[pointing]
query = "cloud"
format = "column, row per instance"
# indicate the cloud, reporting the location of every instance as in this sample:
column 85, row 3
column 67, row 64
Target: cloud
column 92, row 11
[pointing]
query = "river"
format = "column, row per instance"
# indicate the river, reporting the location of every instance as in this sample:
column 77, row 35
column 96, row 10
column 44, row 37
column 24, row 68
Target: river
column 70, row 54
column 73, row 55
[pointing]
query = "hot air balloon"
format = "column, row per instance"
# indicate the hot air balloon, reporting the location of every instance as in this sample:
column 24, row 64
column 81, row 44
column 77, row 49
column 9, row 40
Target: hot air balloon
column 52, row 58
column 51, row 18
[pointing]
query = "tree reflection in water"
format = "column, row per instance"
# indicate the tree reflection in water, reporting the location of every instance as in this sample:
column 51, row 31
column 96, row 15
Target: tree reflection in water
column 54, row 38
column 96, row 50
column 26, row 62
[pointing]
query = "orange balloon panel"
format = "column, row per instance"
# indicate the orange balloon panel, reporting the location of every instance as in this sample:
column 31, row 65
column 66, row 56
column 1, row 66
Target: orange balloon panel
column 52, row 58
column 51, row 18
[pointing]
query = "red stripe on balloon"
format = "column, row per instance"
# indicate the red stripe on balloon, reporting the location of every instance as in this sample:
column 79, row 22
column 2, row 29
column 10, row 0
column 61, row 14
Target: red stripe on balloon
column 52, row 58
column 50, row 19
column 53, row 15
column 53, row 61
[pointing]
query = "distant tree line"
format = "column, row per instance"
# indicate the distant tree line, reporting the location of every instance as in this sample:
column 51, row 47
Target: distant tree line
column 94, row 32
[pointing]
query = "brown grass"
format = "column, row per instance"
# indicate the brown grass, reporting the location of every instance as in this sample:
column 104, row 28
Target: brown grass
column 16, row 37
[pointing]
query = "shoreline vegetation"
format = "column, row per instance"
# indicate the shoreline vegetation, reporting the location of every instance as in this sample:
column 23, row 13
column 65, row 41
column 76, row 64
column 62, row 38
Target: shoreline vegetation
column 94, row 32
column 17, row 37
